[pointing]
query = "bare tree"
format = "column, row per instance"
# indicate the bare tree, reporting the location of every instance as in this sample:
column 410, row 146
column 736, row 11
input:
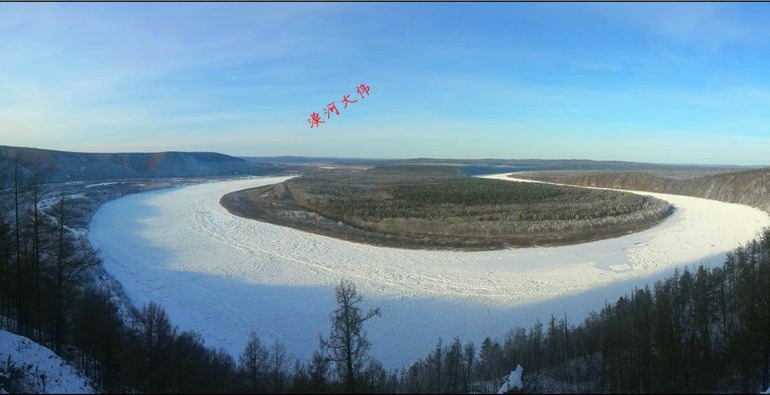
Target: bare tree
column 35, row 182
column 347, row 344
column 71, row 262
column 279, row 366
column 318, row 370
column 5, row 248
column 156, row 336
column 17, row 225
column 453, row 365
column 469, row 353
column 254, row 363
column 375, row 377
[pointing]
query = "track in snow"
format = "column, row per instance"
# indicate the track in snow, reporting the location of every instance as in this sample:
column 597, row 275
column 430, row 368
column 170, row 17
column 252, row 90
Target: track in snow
column 223, row 275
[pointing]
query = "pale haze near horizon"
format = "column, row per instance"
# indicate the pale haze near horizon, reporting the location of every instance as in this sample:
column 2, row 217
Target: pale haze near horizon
column 667, row 83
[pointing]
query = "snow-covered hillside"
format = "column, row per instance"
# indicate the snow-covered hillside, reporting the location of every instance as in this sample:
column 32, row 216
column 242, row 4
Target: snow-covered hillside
column 36, row 369
column 224, row 276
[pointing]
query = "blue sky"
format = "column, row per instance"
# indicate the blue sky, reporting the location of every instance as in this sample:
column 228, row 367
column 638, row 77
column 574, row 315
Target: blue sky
column 668, row 83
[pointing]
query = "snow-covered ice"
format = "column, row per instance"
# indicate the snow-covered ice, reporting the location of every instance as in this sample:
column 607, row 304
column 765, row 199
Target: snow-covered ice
column 44, row 371
column 102, row 184
column 224, row 276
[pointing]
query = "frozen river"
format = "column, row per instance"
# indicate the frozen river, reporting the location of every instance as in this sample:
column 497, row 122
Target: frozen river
column 223, row 275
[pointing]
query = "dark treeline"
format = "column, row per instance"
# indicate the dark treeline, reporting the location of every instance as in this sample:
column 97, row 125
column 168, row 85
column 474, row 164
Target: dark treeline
column 42, row 262
column 48, row 293
column 701, row 331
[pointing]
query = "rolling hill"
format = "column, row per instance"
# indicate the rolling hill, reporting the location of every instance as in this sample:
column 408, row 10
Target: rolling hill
column 60, row 166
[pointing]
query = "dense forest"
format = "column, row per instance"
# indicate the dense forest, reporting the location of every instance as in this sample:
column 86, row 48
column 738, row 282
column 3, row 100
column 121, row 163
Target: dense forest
column 706, row 330
column 749, row 187
column 434, row 206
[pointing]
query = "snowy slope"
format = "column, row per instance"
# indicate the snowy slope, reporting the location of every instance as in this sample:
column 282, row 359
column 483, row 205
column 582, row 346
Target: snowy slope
column 44, row 372
column 513, row 381
column 223, row 275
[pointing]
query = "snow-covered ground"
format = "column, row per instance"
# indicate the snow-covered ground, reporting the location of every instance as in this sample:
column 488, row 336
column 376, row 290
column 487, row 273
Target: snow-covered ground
column 513, row 381
column 43, row 371
column 223, row 275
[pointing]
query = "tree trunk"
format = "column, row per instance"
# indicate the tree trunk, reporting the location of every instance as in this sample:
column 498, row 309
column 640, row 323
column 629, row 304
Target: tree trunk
column 349, row 348
column 19, row 310
column 59, row 280
column 36, row 261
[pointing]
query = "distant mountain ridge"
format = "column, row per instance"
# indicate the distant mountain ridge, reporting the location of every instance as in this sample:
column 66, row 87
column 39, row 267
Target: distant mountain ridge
column 59, row 166
column 491, row 165
column 62, row 166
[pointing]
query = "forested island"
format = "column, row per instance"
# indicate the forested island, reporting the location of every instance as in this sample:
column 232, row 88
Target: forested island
column 435, row 207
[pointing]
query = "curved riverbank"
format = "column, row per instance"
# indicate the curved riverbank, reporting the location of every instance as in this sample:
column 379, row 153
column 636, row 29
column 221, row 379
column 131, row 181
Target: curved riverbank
column 224, row 275
column 436, row 208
